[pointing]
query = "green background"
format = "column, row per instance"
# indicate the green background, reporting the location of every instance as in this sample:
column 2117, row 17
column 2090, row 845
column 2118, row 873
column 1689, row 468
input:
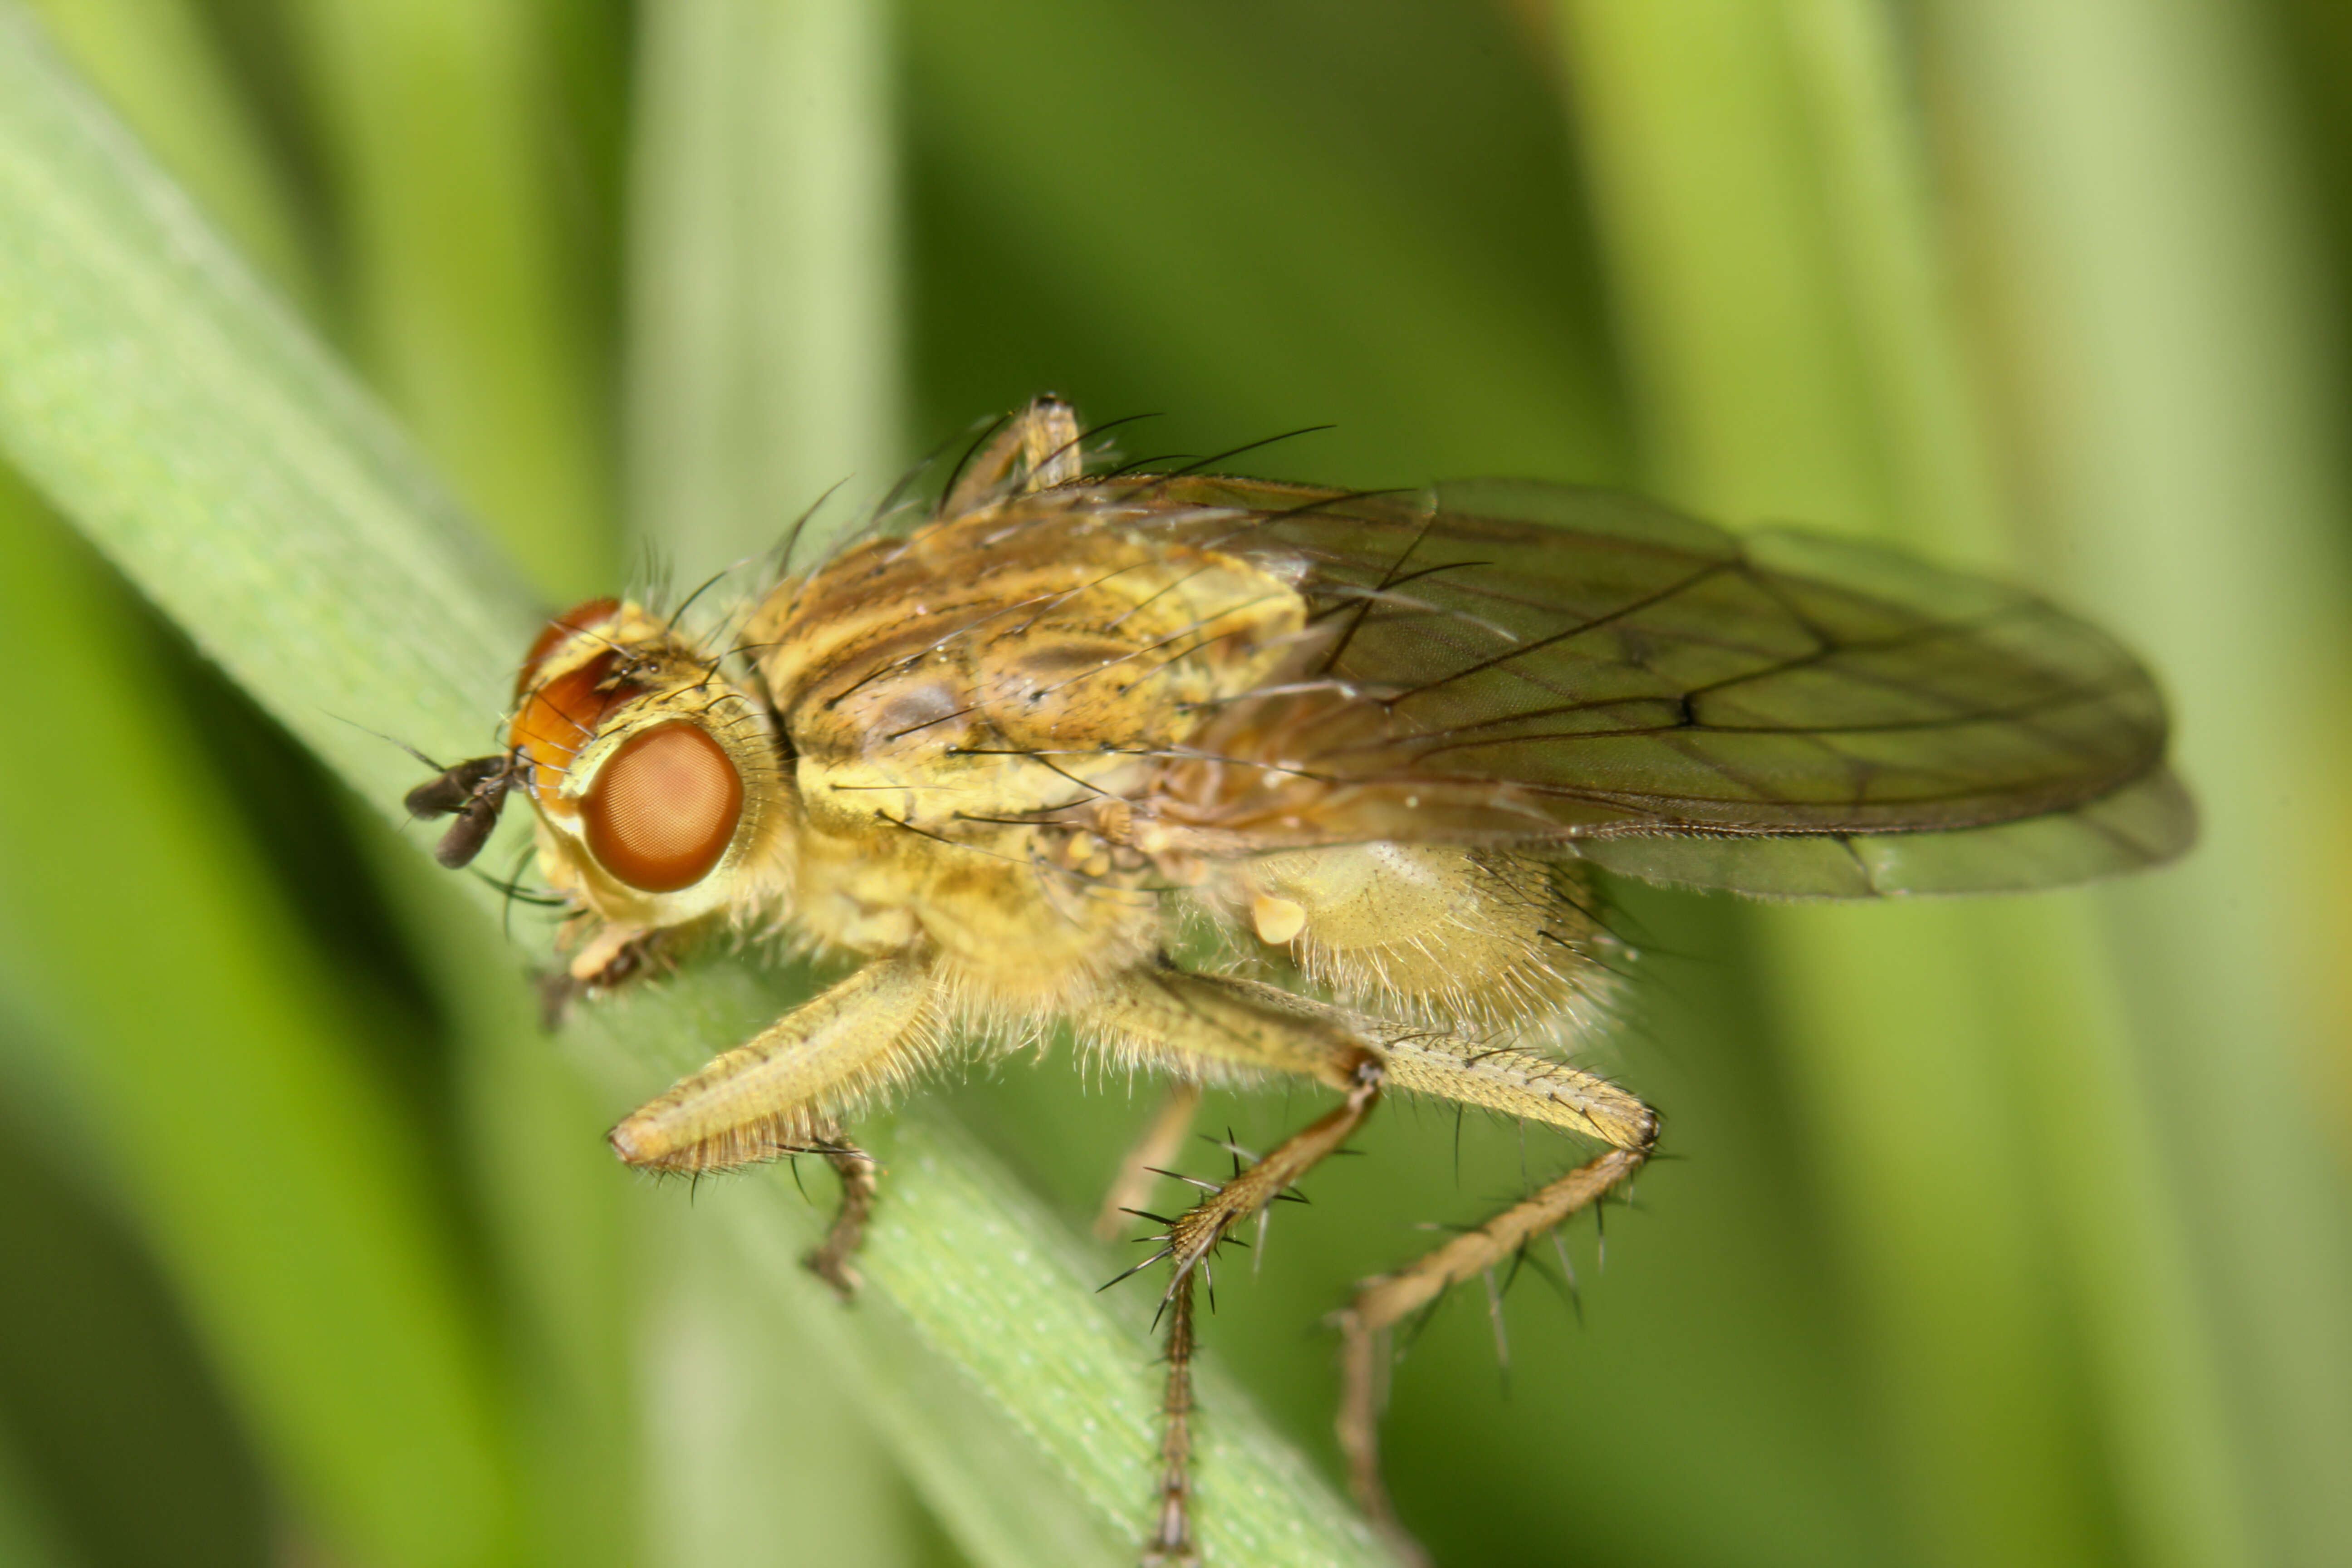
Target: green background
column 2013, row 1232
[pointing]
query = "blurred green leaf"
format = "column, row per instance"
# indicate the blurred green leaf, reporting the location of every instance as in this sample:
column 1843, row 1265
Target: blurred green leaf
column 27, row 1538
column 468, row 295
column 116, row 1446
column 211, row 1073
column 2157, row 305
column 1251, row 218
column 763, row 364
column 765, row 345
column 1986, row 1098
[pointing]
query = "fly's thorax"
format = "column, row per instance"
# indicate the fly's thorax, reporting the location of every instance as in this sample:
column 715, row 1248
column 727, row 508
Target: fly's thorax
column 1134, row 659
column 959, row 703
column 658, row 784
column 1042, row 619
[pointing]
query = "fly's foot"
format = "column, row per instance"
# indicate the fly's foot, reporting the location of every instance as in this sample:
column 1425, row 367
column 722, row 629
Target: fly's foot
column 831, row 1264
column 831, row 1259
column 603, row 967
column 1168, row 1555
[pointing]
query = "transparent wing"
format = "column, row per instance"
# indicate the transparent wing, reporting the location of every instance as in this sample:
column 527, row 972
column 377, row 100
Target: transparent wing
column 1776, row 713
column 2142, row 823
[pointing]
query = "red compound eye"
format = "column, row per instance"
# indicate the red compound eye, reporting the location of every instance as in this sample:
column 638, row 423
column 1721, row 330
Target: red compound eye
column 664, row 809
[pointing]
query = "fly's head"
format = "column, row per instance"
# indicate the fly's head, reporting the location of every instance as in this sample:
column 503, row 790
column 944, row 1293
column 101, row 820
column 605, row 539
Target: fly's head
column 658, row 783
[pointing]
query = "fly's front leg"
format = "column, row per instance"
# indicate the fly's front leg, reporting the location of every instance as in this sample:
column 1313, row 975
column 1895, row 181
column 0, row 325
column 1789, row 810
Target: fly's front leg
column 617, row 955
column 830, row 1261
column 1191, row 1022
column 1515, row 1084
column 786, row 1091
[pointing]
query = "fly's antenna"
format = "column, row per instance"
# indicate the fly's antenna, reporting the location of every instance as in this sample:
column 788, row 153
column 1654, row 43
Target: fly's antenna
column 389, row 740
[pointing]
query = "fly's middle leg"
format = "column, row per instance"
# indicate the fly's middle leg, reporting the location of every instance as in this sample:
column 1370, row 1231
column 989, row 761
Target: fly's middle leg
column 1194, row 1024
column 1188, row 1243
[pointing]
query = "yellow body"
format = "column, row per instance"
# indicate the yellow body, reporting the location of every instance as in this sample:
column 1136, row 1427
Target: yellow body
column 998, row 760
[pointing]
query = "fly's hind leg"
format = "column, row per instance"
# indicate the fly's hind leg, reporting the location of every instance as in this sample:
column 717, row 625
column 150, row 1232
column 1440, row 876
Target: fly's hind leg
column 1191, row 1022
column 1515, row 1084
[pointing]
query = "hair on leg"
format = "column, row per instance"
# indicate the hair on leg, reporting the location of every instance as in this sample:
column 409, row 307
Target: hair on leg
column 1193, row 1022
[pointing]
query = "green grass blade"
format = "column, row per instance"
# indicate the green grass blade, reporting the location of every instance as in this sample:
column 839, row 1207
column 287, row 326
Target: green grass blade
column 163, row 72
column 564, row 1242
column 178, row 414
column 468, row 237
column 186, row 424
column 207, row 1068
